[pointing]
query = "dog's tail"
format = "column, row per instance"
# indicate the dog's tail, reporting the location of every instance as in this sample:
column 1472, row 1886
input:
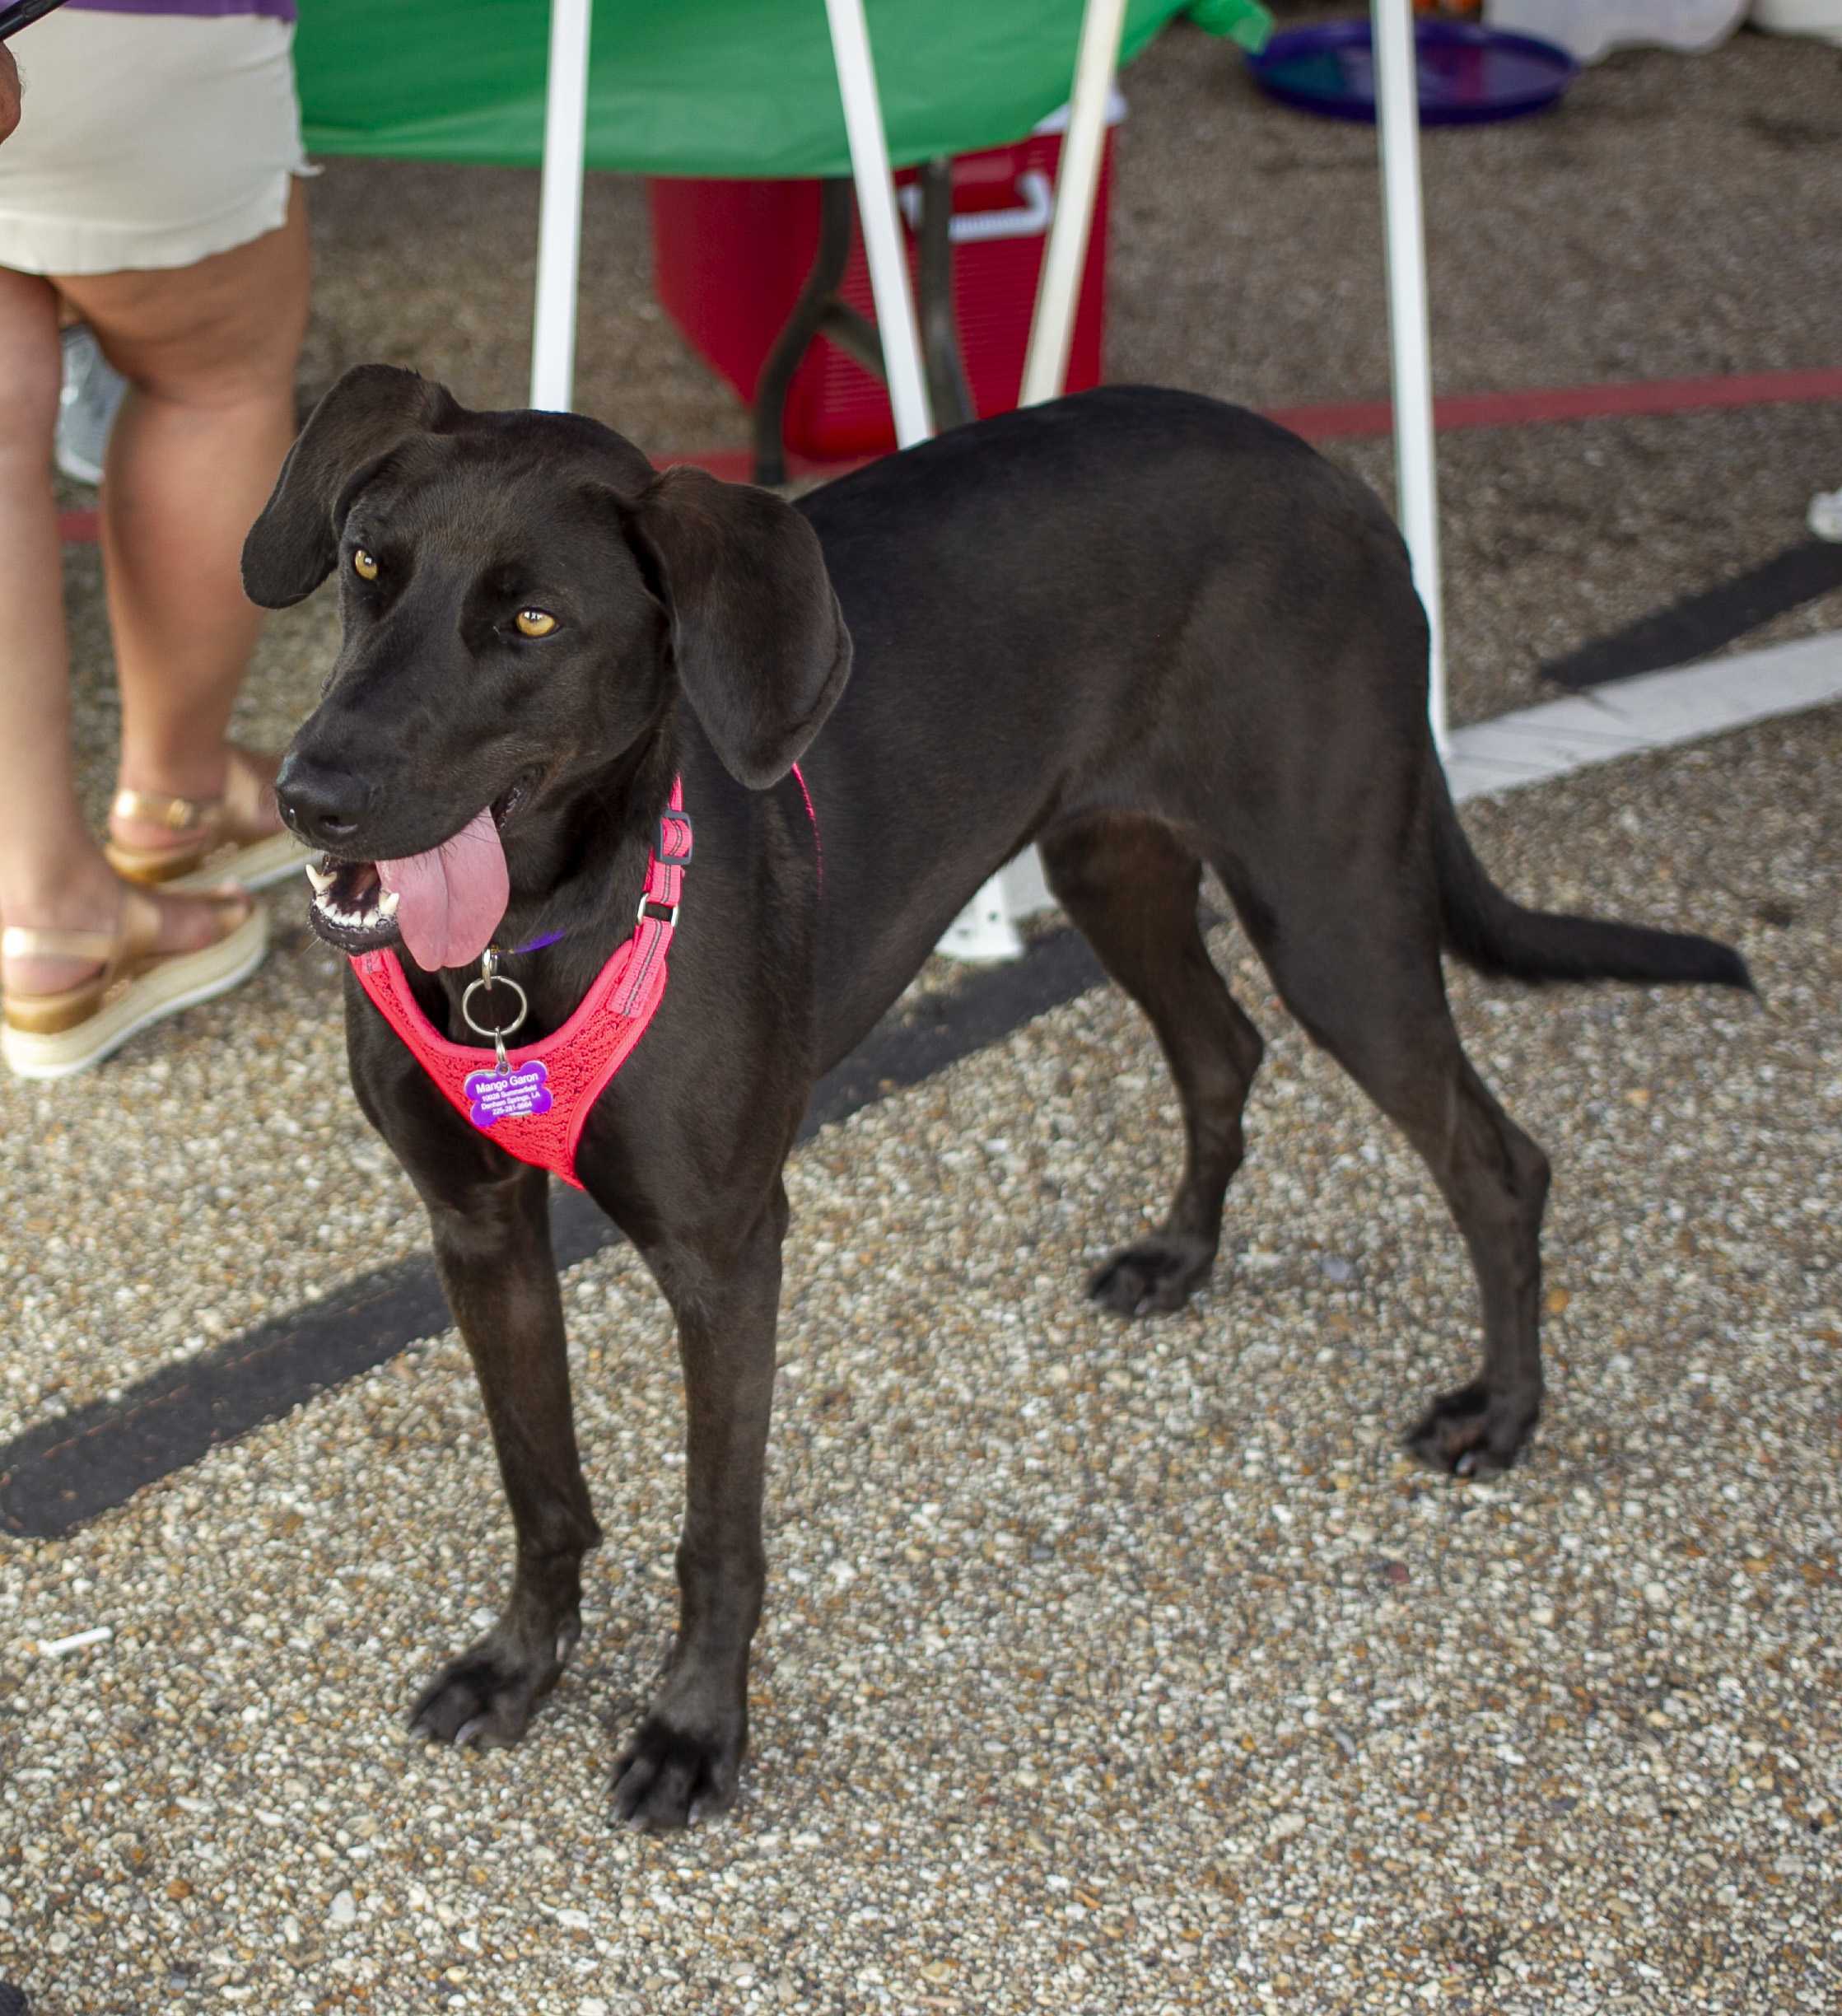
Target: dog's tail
column 1488, row 930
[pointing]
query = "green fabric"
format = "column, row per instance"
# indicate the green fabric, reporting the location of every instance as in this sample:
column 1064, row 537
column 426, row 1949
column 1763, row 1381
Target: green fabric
column 700, row 88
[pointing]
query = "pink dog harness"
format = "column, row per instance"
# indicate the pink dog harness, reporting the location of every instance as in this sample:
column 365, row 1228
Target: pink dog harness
column 535, row 1100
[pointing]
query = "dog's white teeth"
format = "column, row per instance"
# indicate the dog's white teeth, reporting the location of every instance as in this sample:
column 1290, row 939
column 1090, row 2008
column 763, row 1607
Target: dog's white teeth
column 322, row 879
column 387, row 903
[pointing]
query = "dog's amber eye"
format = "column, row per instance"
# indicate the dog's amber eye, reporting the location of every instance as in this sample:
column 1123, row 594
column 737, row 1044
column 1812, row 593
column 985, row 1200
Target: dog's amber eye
column 535, row 623
column 363, row 566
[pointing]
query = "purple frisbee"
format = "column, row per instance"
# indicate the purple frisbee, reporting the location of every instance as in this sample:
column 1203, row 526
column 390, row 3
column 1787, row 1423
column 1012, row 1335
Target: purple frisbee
column 1467, row 75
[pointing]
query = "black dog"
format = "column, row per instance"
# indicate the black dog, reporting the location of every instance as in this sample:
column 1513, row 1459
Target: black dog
column 1142, row 629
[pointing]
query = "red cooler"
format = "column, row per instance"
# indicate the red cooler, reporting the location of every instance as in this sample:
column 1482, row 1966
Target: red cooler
column 729, row 259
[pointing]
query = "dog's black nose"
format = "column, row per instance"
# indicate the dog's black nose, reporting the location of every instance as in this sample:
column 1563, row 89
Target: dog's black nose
column 321, row 804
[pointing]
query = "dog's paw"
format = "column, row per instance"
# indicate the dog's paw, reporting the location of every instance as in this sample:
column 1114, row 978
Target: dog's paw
column 487, row 1697
column 1474, row 1432
column 669, row 1777
column 1151, row 1276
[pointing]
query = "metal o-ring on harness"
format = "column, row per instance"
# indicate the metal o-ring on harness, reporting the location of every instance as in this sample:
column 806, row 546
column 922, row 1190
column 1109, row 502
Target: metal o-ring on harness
column 491, row 978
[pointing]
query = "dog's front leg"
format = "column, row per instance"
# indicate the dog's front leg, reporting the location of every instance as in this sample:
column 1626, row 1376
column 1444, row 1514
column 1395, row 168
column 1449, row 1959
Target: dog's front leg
column 685, row 1755
column 492, row 1251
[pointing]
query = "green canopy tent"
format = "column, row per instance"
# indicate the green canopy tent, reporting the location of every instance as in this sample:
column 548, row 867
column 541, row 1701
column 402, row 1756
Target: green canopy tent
column 700, row 88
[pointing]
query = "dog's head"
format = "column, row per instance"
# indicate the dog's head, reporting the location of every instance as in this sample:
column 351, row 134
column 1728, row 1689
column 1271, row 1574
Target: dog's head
column 524, row 598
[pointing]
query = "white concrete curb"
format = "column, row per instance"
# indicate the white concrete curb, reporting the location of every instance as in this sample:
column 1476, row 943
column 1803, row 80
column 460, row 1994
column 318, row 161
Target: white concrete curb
column 1657, row 710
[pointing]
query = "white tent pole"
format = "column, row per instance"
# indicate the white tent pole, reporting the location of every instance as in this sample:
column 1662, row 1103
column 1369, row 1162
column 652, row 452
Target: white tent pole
column 984, row 929
column 1397, row 122
column 987, row 927
column 888, row 265
column 1053, row 326
column 560, row 208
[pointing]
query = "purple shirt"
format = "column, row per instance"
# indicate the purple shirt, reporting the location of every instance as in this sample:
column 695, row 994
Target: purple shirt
column 272, row 10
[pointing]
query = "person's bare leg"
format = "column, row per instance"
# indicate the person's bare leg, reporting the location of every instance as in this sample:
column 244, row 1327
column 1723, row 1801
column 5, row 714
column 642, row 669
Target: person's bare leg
column 52, row 873
column 9, row 93
column 209, row 351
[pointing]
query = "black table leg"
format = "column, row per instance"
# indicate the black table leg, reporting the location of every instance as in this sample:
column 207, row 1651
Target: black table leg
column 818, row 311
column 948, row 392
column 838, row 212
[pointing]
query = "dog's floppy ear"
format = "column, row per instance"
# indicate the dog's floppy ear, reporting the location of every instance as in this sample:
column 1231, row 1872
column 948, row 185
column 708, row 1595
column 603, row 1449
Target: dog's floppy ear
column 292, row 547
column 760, row 644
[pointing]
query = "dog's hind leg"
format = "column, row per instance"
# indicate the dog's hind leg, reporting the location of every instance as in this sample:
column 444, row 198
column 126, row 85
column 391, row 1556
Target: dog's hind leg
column 1356, row 959
column 493, row 1252
column 1130, row 885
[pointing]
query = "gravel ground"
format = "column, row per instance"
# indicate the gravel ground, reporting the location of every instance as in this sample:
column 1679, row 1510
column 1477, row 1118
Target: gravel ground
column 1670, row 218
column 211, row 1176
column 1106, row 1667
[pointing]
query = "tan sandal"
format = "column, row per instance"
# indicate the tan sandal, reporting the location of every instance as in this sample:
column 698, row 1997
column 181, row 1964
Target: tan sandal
column 52, row 1035
column 232, row 837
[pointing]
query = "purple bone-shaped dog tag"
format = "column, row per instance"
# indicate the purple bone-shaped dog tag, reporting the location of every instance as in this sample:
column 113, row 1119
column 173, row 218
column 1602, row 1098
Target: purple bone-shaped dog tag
column 507, row 1095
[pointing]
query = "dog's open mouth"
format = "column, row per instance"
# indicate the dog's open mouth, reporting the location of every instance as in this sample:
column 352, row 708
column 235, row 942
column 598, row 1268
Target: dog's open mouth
column 444, row 904
column 351, row 908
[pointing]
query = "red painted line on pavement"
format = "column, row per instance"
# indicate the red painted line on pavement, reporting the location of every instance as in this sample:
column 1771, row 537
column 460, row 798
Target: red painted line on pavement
column 1362, row 419
column 1358, row 419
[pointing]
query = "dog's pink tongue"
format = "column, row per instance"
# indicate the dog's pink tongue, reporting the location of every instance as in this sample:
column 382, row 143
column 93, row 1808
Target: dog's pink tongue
column 451, row 900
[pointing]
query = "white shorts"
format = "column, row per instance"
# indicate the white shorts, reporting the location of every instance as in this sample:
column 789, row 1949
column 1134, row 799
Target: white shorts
column 147, row 140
